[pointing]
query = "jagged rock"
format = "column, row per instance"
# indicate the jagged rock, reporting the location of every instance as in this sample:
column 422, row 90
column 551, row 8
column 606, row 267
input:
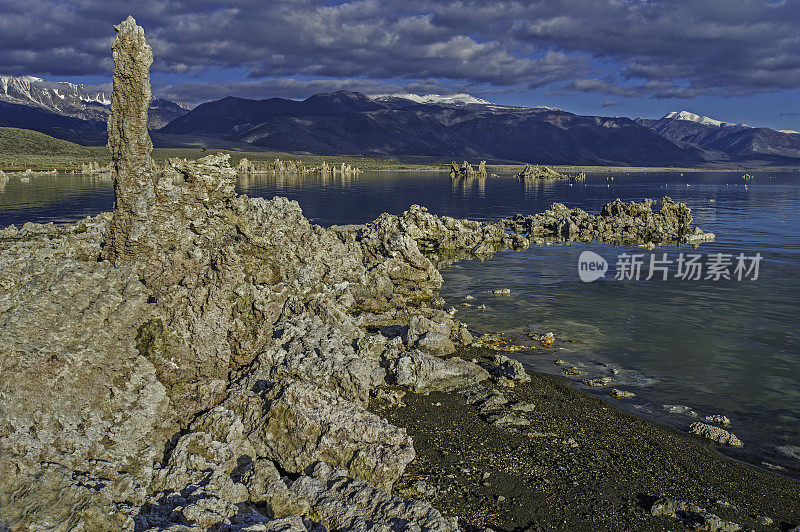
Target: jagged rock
column 466, row 171
column 715, row 434
column 430, row 335
column 422, row 372
column 621, row 394
column 719, row 419
column 545, row 172
column 341, row 503
column 304, row 425
column 692, row 516
column 618, row 223
column 160, row 361
column 129, row 143
column 599, row 382
column 507, row 368
column 94, row 168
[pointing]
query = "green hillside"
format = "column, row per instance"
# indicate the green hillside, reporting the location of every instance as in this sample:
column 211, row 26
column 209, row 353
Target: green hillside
column 25, row 141
column 23, row 148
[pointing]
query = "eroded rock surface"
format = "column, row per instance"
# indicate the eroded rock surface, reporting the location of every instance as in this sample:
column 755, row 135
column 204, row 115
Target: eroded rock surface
column 619, row 222
column 198, row 359
column 536, row 171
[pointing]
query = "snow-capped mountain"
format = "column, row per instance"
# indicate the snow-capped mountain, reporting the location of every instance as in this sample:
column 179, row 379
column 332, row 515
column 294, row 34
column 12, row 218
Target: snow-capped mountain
column 435, row 99
column 789, row 131
column 704, row 120
column 85, row 102
column 721, row 140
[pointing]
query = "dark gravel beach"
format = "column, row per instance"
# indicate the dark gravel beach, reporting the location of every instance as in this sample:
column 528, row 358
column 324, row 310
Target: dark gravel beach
column 581, row 464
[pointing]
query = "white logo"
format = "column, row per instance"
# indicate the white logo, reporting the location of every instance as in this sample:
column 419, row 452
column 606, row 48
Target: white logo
column 591, row 266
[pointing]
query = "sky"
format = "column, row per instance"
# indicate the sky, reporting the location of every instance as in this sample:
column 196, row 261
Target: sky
column 734, row 60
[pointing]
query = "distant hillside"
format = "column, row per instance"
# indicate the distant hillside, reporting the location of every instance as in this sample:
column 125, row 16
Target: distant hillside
column 353, row 123
column 722, row 141
column 23, row 141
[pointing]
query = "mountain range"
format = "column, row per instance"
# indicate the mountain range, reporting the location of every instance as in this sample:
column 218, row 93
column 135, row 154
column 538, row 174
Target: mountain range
column 727, row 142
column 49, row 102
column 405, row 125
column 353, row 123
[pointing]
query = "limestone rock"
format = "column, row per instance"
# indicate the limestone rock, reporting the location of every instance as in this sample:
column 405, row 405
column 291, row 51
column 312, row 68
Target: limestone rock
column 422, row 372
column 545, row 172
column 619, row 222
column 129, row 142
column 692, row 516
column 507, row 368
column 303, row 425
column 340, row 503
column 466, row 171
column 715, row 434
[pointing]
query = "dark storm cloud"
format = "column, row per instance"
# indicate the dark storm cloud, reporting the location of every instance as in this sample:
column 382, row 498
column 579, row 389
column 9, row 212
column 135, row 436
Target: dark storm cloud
column 655, row 48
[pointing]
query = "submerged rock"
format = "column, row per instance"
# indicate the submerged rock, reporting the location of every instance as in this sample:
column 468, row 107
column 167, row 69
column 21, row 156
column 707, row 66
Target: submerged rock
column 715, row 434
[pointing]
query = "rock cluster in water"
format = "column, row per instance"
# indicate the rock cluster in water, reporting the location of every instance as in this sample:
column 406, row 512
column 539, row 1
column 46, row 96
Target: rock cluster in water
column 278, row 166
column 94, row 168
column 201, row 360
column 618, row 223
column 545, row 172
column 466, row 170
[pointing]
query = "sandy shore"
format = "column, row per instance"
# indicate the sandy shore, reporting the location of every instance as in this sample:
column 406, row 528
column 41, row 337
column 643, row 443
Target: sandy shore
column 581, row 464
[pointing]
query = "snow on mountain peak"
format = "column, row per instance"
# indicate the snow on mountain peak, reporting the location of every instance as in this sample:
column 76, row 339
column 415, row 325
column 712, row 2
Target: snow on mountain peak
column 789, row 131
column 444, row 99
column 704, row 120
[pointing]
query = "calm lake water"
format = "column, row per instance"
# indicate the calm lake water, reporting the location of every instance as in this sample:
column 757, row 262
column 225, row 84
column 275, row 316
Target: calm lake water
column 715, row 347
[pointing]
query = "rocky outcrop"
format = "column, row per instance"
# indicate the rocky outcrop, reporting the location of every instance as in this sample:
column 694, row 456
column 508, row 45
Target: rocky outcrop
column 129, row 144
column 545, row 172
column 716, row 434
column 618, row 223
column 201, row 360
column 466, row 171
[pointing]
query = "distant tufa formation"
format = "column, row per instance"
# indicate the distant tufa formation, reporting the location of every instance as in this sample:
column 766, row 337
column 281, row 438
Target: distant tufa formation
column 545, row 172
column 94, row 168
column 466, row 170
column 278, row 166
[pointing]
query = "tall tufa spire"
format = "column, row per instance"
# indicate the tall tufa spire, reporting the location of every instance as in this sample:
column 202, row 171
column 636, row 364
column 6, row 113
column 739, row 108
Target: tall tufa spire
column 129, row 143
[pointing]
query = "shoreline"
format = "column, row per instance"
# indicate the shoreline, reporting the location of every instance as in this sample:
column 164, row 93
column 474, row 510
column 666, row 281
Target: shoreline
column 582, row 463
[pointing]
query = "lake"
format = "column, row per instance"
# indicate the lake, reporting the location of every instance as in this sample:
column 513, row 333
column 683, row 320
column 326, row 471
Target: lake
column 705, row 347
